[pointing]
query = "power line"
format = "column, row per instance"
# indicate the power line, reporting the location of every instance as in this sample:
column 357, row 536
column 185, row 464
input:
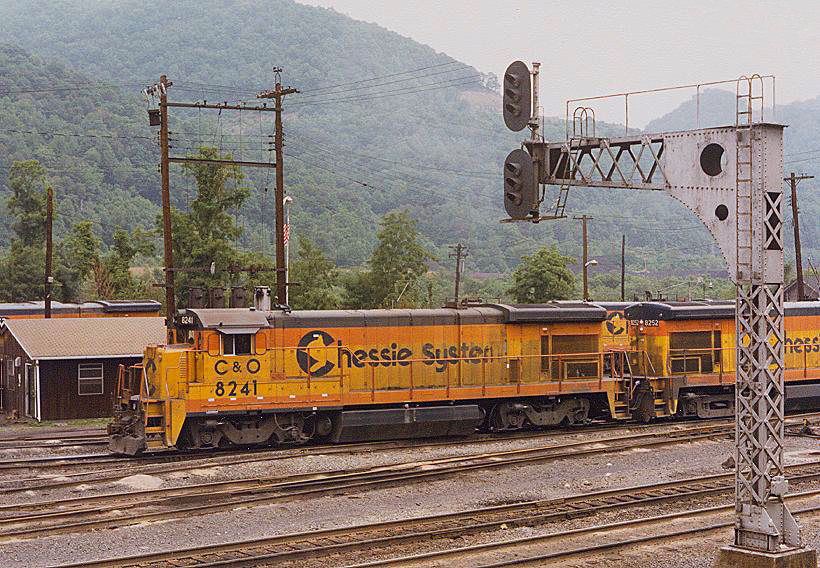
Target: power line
column 78, row 135
column 380, row 77
column 328, row 90
column 456, row 82
column 406, row 164
column 412, row 78
column 810, row 158
column 85, row 87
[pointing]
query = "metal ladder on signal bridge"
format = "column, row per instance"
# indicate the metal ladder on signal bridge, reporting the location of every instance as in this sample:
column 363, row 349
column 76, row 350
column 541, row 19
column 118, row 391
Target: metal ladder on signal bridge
column 744, row 121
column 572, row 155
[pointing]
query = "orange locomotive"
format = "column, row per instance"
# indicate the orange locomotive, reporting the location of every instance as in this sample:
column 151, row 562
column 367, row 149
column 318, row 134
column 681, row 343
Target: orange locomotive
column 250, row 376
column 692, row 346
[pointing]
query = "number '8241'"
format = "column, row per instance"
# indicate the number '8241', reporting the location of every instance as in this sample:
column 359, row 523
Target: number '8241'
column 229, row 388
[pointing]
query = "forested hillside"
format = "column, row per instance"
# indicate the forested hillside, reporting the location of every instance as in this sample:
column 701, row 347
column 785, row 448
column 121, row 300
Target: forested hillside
column 104, row 171
column 383, row 123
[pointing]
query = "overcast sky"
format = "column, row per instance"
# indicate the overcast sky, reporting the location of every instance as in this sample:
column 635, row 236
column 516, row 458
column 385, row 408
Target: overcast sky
column 591, row 48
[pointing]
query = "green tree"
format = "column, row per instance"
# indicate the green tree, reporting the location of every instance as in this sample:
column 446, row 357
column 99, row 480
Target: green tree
column 317, row 278
column 23, row 268
column 22, row 274
column 208, row 232
column 77, row 255
column 27, row 203
column 117, row 265
column 543, row 277
column 395, row 270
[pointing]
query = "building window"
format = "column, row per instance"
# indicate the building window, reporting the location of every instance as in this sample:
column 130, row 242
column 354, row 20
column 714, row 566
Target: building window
column 90, row 378
column 237, row 344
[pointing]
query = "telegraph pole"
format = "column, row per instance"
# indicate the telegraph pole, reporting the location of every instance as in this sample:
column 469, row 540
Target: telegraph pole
column 277, row 94
column 585, row 258
column 623, row 264
column 798, row 253
column 459, row 253
column 170, row 307
column 49, row 249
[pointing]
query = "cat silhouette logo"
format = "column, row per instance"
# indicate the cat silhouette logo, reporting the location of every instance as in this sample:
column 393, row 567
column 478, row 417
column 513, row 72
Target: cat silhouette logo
column 615, row 323
column 312, row 355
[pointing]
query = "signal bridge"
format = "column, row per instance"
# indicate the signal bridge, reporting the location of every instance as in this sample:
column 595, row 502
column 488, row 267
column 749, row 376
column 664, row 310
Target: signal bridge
column 730, row 177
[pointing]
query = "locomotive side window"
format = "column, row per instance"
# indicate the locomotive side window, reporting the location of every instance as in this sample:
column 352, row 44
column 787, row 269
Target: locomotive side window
column 691, row 352
column 237, row 344
column 578, row 356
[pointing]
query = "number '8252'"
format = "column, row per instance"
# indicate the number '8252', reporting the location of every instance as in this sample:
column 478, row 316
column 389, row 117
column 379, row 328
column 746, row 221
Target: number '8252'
column 229, row 388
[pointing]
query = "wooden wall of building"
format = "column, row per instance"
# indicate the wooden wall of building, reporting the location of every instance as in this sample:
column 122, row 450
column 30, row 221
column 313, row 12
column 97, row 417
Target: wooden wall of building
column 59, row 389
column 59, row 395
column 12, row 377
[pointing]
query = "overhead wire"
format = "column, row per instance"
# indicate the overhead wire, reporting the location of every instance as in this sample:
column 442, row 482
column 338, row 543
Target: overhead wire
column 405, row 79
column 406, row 164
column 380, row 77
column 456, row 82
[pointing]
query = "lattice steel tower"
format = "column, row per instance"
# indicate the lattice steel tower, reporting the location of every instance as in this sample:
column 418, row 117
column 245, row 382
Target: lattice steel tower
column 730, row 177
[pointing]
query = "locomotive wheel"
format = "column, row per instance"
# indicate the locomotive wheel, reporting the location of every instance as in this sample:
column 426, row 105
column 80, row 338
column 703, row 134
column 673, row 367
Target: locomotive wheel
column 507, row 417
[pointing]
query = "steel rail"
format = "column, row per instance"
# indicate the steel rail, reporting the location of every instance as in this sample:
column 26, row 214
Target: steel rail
column 300, row 546
column 64, row 443
column 244, row 493
column 52, row 434
column 583, row 550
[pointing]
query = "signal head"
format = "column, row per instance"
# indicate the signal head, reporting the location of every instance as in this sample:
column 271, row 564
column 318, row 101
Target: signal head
column 517, row 89
column 519, row 185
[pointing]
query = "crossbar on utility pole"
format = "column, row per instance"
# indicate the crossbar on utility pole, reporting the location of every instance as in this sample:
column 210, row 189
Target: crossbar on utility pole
column 459, row 253
column 277, row 94
column 214, row 162
column 49, row 249
column 793, row 180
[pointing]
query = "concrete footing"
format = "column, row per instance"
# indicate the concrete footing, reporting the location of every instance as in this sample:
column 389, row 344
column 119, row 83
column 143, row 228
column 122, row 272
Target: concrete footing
column 732, row 557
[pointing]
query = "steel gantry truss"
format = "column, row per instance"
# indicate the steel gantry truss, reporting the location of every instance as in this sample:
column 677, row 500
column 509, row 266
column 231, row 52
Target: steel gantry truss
column 730, row 177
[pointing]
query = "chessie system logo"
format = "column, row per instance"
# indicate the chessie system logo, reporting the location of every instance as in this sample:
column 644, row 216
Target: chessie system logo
column 316, row 357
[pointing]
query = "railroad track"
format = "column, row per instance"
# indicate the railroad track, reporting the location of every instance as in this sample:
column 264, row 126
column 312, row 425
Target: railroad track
column 257, row 454
column 343, row 545
column 170, row 461
column 39, row 463
column 32, row 520
column 564, row 546
column 55, row 439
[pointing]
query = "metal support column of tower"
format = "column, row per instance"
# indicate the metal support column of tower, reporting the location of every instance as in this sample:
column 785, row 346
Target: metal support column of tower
column 731, row 179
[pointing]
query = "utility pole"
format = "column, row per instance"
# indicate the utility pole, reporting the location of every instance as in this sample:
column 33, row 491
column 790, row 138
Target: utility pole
column 623, row 264
column 798, row 253
column 49, row 248
column 459, row 253
column 170, row 308
column 585, row 258
column 277, row 94
column 286, row 237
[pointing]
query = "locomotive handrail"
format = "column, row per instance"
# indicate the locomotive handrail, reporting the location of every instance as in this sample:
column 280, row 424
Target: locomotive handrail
column 696, row 353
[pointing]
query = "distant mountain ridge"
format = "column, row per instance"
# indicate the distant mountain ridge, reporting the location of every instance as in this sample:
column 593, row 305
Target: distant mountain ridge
column 383, row 123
